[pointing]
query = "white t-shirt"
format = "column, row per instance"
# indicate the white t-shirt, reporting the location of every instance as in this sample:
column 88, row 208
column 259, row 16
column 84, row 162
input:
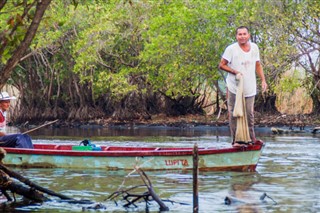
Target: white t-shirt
column 244, row 62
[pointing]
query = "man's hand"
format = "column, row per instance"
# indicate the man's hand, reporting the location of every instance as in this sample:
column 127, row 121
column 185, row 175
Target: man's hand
column 238, row 75
column 264, row 86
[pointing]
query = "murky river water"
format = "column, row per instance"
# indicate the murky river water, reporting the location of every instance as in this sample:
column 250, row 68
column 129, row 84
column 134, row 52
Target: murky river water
column 288, row 172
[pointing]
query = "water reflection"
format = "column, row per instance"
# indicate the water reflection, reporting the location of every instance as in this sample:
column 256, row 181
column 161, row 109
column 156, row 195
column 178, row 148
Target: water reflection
column 288, row 171
column 243, row 195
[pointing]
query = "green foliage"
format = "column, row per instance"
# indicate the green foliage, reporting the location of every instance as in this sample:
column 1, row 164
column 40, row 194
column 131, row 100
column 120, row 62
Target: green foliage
column 184, row 45
column 178, row 54
column 289, row 82
column 115, row 47
column 108, row 47
column 14, row 22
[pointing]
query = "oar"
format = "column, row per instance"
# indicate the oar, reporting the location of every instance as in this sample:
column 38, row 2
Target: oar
column 46, row 124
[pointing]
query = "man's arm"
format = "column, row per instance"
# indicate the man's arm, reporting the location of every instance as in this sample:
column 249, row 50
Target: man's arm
column 260, row 73
column 223, row 65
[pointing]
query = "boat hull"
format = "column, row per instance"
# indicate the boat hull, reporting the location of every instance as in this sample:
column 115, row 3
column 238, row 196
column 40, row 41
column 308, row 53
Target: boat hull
column 125, row 158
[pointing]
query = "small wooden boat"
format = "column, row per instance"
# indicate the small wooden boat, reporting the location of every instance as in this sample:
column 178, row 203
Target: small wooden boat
column 125, row 158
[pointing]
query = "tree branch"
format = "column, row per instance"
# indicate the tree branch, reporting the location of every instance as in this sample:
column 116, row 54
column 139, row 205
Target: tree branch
column 24, row 45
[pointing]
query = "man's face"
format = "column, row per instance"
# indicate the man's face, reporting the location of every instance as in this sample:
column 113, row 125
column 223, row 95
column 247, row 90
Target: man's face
column 242, row 36
column 4, row 105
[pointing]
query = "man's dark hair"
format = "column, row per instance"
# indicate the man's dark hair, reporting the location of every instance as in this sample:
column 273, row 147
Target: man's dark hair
column 242, row 27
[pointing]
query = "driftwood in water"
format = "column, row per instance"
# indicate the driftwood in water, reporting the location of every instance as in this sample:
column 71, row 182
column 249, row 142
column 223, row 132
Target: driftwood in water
column 32, row 184
column 132, row 198
column 315, row 129
column 232, row 200
column 24, row 180
column 291, row 130
column 96, row 206
column 148, row 184
column 30, row 190
column 6, row 183
column 285, row 131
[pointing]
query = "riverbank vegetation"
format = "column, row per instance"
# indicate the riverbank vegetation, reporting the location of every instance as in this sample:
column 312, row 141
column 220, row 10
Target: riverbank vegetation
column 133, row 60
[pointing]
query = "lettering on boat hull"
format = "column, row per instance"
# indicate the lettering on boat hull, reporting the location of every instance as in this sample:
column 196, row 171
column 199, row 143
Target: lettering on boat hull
column 177, row 162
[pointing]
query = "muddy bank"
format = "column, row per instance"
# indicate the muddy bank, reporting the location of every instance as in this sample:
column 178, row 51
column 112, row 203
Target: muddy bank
column 261, row 120
column 181, row 125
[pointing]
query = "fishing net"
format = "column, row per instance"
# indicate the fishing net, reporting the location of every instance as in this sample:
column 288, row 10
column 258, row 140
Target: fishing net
column 242, row 131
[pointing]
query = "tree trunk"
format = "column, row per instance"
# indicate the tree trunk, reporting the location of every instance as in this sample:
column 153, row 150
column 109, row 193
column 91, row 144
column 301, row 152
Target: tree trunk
column 5, row 72
column 2, row 3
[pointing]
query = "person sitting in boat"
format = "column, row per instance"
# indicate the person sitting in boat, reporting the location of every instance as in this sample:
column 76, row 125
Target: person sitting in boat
column 10, row 140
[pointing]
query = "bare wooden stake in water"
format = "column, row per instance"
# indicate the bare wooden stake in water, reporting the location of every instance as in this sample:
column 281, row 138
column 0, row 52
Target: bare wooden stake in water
column 195, row 179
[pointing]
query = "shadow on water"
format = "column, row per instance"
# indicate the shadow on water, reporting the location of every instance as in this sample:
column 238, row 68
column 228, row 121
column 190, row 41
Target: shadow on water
column 288, row 172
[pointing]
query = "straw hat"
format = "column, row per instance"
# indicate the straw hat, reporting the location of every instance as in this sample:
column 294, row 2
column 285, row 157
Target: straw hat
column 5, row 96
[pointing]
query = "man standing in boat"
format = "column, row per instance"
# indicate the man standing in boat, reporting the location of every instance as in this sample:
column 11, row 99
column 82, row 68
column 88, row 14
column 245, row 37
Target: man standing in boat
column 242, row 60
column 10, row 140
